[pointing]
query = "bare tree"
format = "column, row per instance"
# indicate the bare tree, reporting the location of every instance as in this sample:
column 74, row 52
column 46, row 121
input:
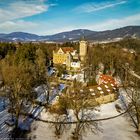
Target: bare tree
column 79, row 101
column 18, row 82
column 132, row 89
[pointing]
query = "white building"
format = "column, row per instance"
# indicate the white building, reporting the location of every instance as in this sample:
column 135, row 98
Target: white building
column 76, row 64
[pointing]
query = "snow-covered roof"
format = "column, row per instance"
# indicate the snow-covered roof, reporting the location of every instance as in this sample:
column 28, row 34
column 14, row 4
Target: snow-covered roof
column 103, row 89
column 91, row 89
column 106, row 86
column 99, row 88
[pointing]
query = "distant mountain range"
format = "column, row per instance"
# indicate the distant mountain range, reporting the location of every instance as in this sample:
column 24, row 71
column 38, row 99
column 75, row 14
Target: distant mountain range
column 74, row 35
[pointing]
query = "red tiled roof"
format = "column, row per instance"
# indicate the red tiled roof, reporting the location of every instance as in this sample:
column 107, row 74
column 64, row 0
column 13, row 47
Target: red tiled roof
column 108, row 79
column 67, row 49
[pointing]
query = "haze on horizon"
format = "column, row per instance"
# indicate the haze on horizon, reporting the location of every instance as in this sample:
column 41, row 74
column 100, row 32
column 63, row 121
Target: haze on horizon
column 45, row 17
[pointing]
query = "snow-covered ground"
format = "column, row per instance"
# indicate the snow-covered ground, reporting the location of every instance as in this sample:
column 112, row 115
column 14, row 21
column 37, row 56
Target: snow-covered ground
column 4, row 115
column 119, row 128
column 79, row 77
column 25, row 125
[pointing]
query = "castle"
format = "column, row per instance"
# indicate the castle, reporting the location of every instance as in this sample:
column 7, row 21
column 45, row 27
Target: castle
column 70, row 57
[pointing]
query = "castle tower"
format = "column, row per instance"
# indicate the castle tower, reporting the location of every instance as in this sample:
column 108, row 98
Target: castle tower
column 68, row 60
column 83, row 49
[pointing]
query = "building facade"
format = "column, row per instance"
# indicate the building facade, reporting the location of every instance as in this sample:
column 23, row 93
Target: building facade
column 62, row 55
column 69, row 57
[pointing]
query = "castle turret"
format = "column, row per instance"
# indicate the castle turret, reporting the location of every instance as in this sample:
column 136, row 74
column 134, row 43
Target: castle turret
column 83, row 49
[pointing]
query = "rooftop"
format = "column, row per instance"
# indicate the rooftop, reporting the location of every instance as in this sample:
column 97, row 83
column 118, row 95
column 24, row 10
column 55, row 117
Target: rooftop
column 103, row 89
column 107, row 79
column 65, row 49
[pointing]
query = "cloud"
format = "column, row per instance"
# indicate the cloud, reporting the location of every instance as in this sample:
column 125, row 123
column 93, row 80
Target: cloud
column 92, row 7
column 100, row 26
column 21, row 9
column 45, row 28
column 19, row 25
column 53, row 4
column 40, row 28
column 116, row 23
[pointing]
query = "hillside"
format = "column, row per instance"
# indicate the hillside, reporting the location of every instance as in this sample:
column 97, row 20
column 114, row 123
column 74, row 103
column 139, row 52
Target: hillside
column 74, row 35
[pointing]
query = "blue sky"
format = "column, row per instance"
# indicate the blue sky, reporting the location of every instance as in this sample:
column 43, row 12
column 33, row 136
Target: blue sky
column 45, row 17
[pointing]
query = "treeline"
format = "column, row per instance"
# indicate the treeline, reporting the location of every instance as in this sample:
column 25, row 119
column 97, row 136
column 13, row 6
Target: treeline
column 30, row 48
column 27, row 49
column 114, row 56
column 130, row 44
column 6, row 48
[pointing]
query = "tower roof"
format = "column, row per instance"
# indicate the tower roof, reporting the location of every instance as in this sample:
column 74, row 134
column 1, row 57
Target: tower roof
column 83, row 38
